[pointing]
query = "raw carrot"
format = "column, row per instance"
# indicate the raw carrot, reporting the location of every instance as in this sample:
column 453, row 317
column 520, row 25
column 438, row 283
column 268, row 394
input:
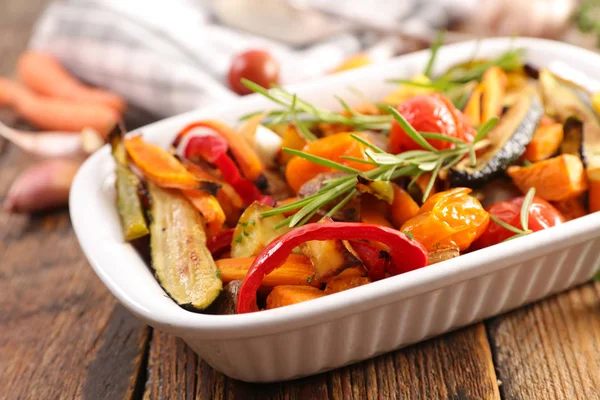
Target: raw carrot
column 44, row 74
column 56, row 114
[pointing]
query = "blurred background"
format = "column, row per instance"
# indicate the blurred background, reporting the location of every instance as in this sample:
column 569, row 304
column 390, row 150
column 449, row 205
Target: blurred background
column 73, row 69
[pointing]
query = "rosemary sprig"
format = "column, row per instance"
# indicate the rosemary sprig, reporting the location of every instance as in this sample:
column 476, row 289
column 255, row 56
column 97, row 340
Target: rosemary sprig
column 387, row 168
column 435, row 46
column 299, row 111
column 523, row 218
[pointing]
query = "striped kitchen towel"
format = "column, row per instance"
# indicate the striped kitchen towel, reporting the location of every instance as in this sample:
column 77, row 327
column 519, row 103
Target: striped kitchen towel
column 168, row 57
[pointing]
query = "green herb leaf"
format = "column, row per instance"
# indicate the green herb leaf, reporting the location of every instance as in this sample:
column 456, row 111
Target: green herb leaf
column 485, row 128
column 321, row 161
column 303, row 129
column 434, row 175
column 525, row 209
column 505, row 225
column 439, row 41
column 366, row 143
column 408, row 234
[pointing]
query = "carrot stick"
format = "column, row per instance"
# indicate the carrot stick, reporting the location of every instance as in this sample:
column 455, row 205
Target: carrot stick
column 44, row 74
column 56, row 114
column 297, row 270
column 162, row 168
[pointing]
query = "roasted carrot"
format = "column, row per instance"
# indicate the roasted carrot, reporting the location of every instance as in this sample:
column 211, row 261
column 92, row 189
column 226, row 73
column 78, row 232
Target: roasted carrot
column 403, row 207
column 494, row 85
column 341, row 283
column 287, row 295
column 297, row 270
column 556, row 179
column 300, row 170
column 228, row 198
column 209, row 207
column 56, row 114
column 44, row 74
column 545, row 142
column 162, row 168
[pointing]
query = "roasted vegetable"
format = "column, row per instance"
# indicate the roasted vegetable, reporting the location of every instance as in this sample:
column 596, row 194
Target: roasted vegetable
column 448, row 219
column 487, row 99
column 565, row 100
column 292, row 139
column 351, row 210
column 254, row 232
column 383, row 190
column 209, row 207
column 571, row 208
column 545, row 143
column 287, row 295
column 440, row 255
column 374, row 211
column 403, row 207
column 183, row 265
column 226, row 303
column 556, row 179
column 572, row 137
column 329, row 257
column 341, row 283
column 405, row 254
column 297, row 270
column 508, row 141
column 162, row 168
column 300, row 170
column 129, row 206
column 127, row 183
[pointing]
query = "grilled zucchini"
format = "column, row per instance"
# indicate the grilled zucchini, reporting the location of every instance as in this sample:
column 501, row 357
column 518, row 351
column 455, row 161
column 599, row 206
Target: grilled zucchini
column 183, row 265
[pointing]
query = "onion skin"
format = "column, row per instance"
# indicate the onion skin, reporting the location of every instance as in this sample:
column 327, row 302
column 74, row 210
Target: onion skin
column 41, row 187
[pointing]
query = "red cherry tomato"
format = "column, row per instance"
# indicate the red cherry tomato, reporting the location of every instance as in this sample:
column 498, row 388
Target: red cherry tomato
column 430, row 113
column 258, row 66
column 542, row 215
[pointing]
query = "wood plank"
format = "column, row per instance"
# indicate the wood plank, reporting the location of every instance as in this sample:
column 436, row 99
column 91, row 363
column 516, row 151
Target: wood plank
column 62, row 335
column 550, row 350
column 456, row 366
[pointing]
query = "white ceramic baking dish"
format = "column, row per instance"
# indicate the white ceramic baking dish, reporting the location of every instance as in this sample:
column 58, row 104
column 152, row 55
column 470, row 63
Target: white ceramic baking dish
column 315, row 336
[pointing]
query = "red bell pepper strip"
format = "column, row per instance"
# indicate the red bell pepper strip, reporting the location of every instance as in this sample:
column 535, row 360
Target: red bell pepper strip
column 405, row 253
column 214, row 150
column 377, row 261
column 220, row 243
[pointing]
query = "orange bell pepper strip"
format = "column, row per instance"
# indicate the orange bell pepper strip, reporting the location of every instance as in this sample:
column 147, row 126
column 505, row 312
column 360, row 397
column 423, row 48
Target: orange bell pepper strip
column 300, row 171
column 162, row 168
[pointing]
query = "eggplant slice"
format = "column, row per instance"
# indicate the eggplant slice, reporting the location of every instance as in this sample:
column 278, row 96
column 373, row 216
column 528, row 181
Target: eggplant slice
column 183, row 265
column 509, row 140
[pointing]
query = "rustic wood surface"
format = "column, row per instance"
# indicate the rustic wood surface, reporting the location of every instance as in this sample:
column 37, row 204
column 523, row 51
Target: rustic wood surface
column 62, row 335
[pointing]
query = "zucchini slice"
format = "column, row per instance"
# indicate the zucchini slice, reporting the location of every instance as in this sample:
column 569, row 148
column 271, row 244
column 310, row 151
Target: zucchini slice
column 183, row 265
column 253, row 232
column 565, row 100
column 509, row 140
column 131, row 212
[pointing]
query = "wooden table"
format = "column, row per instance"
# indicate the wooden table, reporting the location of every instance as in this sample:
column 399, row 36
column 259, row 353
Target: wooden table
column 62, row 335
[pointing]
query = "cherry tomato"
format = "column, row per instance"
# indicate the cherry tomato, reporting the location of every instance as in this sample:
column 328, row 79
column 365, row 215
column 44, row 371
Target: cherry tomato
column 430, row 113
column 542, row 215
column 448, row 219
column 258, row 66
